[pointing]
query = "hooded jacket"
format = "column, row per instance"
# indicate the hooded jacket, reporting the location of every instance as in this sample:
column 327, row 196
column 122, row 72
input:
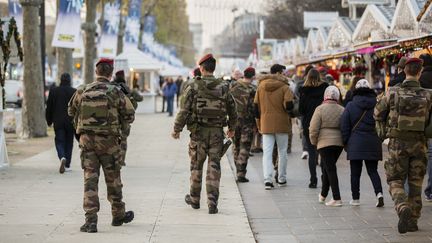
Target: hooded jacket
column 362, row 142
column 426, row 78
column 310, row 99
column 272, row 100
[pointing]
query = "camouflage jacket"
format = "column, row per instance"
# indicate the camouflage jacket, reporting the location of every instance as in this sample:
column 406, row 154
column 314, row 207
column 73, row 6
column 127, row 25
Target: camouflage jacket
column 403, row 112
column 120, row 111
column 244, row 94
column 193, row 104
column 133, row 95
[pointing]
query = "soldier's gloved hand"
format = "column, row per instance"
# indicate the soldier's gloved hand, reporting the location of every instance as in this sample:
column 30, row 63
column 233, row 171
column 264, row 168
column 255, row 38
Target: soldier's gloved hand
column 175, row 135
column 230, row 133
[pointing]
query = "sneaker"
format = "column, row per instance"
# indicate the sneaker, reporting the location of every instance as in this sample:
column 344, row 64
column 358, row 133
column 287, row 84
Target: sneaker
column 380, row 200
column 251, row 155
column 89, row 228
column 188, row 201
column 242, row 179
column 404, row 217
column 334, row 203
column 128, row 217
column 68, row 169
column 428, row 198
column 313, row 185
column 282, row 184
column 304, row 155
column 213, row 210
column 321, row 199
column 62, row 165
column 354, row 202
column 268, row 185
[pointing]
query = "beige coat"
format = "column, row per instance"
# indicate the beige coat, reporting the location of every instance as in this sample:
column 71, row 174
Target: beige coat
column 272, row 94
column 324, row 128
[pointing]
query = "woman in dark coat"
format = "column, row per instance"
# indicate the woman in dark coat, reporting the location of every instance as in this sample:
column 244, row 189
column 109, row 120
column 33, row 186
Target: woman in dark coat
column 311, row 96
column 361, row 140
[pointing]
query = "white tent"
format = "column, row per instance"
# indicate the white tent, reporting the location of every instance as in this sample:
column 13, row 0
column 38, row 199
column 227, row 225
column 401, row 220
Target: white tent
column 139, row 61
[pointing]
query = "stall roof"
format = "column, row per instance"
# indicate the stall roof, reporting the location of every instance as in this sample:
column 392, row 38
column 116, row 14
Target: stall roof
column 374, row 18
column 427, row 7
column 341, row 32
column 139, row 61
column 404, row 21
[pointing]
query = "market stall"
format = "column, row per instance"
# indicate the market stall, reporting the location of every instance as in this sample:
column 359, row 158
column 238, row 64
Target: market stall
column 425, row 18
column 404, row 23
column 141, row 71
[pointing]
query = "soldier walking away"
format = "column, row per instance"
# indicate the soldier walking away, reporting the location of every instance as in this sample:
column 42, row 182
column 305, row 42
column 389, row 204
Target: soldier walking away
column 134, row 97
column 56, row 113
column 207, row 103
column 402, row 115
column 243, row 93
column 101, row 112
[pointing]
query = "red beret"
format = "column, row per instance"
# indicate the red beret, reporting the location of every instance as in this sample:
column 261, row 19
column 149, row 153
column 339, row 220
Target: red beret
column 106, row 60
column 414, row 60
column 120, row 73
column 249, row 69
column 205, row 58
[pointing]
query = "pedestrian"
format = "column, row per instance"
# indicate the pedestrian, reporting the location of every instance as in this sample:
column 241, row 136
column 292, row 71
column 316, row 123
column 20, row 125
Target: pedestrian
column 361, row 140
column 214, row 105
column 359, row 72
column 426, row 82
column 56, row 113
column 311, row 96
column 400, row 75
column 134, row 97
column 162, row 83
column 325, row 134
column 243, row 93
column 100, row 112
column 273, row 101
column 395, row 113
column 169, row 91
column 178, row 82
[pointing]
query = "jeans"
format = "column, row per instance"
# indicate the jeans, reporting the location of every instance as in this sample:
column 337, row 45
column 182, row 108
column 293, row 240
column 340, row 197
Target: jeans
column 170, row 105
column 329, row 157
column 312, row 158
column 269, row 140
column 64, row 136
column 163, row 103
column 428, row 190
column 372, row 170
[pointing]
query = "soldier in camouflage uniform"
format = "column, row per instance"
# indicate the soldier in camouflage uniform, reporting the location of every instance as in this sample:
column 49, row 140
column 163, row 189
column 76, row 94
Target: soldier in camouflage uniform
column 207, row 103
column 101, row 111
column 402, row 115
column 243, row 93
column 134, row 97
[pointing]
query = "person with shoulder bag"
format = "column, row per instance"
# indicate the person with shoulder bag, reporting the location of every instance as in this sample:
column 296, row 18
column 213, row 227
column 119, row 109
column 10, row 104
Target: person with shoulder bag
column 361, row 140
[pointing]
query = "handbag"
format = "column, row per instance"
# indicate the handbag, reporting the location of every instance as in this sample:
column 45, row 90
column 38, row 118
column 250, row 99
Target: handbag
column 359, row 120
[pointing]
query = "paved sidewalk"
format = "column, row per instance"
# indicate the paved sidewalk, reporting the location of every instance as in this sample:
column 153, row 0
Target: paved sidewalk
column 293, row 214
column 37, row 204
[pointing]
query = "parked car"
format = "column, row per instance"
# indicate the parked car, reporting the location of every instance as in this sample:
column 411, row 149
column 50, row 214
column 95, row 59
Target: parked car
column 14, row 92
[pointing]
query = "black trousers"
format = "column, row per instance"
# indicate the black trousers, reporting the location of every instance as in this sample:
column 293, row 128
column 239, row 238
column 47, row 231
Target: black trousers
column 372, row 170
column 329, row 157
column 312, row 158
column 64, row 136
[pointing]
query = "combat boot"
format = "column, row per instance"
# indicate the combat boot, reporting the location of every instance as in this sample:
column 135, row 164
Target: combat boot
column 404, row 218
column 242, row 179
column 213, row 210
column 412, row 226
column 128, row 217
column 89, row 227
column 188, row 201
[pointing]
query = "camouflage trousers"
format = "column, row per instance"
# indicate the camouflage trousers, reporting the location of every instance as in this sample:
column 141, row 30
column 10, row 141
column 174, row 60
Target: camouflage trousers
column 123, row 150
column 101, row 151
column 407, row 161
column 206, row 143
column 242, row 146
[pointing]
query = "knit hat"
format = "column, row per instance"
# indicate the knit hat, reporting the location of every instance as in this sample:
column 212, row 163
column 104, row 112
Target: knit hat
column 331, row 93
column 362, row 83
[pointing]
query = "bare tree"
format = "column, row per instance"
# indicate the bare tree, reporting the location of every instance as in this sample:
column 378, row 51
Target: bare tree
column 33, row 119
column 89, row 28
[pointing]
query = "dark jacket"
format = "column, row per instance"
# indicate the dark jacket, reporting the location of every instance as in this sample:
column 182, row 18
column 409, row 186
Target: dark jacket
column 57, row 106
column 310, row 99
column 426, row 78
column 397, row 79
column 362, row 142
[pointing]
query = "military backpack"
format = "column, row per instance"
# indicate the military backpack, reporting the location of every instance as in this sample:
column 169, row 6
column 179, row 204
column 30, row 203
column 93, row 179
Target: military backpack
column 411, row 106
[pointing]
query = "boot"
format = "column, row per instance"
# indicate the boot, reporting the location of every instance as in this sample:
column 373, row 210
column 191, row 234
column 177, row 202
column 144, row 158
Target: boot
column 188, row 201
column 404, row 217
column 213, row 210
column 127, row 218
column 412, row 226
column 89, row 227
column 242, row 179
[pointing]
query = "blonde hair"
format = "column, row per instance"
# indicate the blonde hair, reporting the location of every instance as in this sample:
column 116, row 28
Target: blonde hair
column 313, row 78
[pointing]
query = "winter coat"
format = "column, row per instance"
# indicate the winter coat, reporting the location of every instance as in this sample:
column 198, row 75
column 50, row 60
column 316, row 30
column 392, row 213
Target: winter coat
column 362, row 143
column 324, row 130
column 170, row 90
column 426, row 78
column 272, row 97
column 310, row 99
column 57, row 106
column 398, row 79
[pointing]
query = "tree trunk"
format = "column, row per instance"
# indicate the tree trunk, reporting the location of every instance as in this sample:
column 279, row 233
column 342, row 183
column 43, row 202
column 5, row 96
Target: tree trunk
column 147, row 11
column 122, row 26
column 33, row 111
column 64, row 62
column 89, row 28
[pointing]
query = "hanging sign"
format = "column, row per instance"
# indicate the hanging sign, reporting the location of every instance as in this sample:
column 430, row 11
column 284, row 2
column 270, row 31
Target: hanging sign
column 15, row 10
column 108, row 42
column 68, row 27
